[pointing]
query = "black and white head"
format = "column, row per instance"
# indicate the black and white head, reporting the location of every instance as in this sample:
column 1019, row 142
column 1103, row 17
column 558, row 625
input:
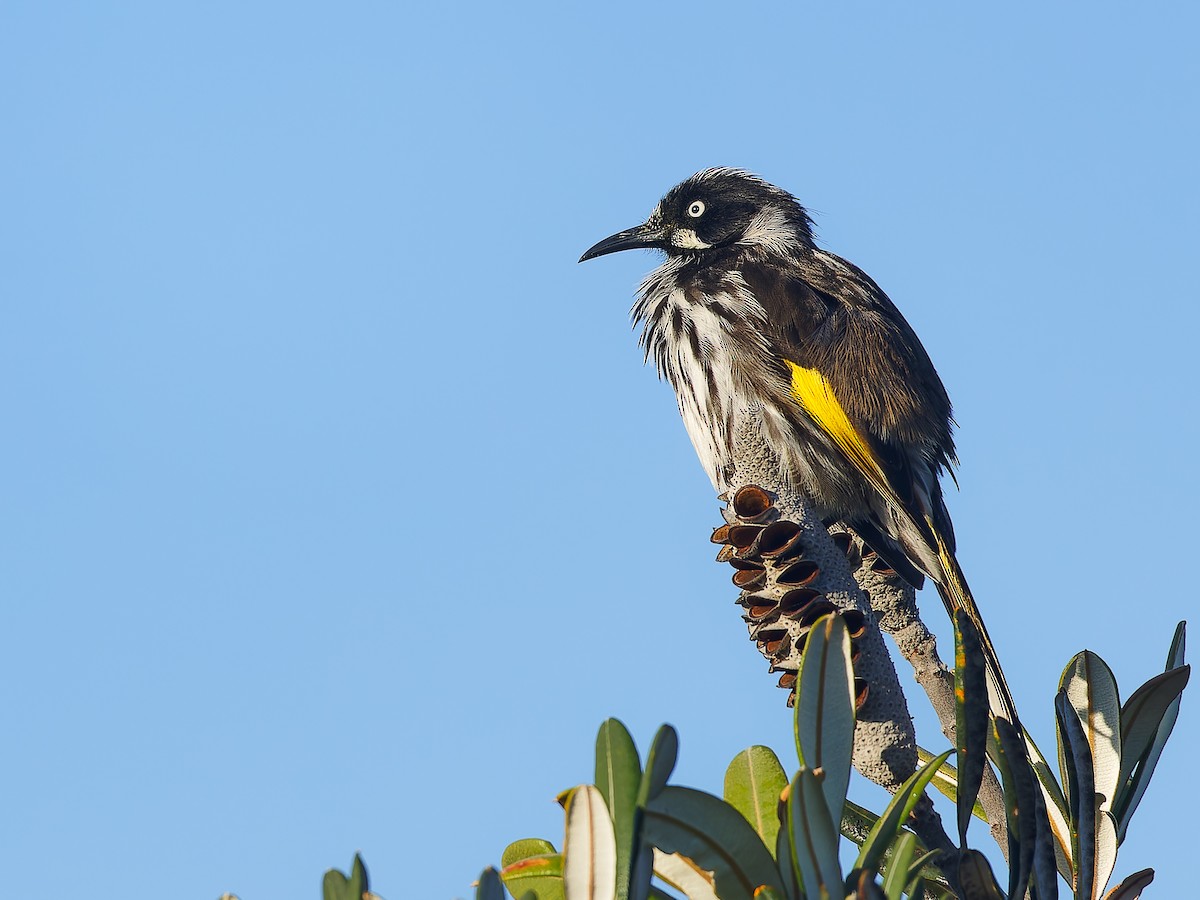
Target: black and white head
column 717, row 209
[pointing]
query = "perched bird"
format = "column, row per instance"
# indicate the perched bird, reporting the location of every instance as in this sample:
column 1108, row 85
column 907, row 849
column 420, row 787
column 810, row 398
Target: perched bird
column 749, row 318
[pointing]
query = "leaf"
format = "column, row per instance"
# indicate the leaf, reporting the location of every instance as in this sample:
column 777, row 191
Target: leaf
column 1055, row 803
column 525, row 848
column 1144, row 711
column 753, row 783
column 1131, row 888
column 1092, row 690
column 1147, row 720
column 541, row 873
column 897, row 812
column 337, row 886
column 589, row 849
column 489, row 886
column 896, row 879
column 1106, row 848
column 824, row 721
column 660, row 762
column 814, row 838
column 618, row 778
column 1019, row 793
column 976, row 878
column 1081, row 794
column 715, row 836
column 946, row 782
column 1045, row 873
column 684, row 875
column 971, row 717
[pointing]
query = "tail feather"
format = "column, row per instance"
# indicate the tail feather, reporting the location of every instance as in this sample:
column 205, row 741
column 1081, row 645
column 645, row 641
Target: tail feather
column 952, row 585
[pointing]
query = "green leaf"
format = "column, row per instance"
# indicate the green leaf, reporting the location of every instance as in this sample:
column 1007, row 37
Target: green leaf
column 897, row 812
column 1131, row 888
column 976, row 878
column 337, row 886
column 857, row 822
column 712, row 834
column 1147, row 720
column 753, row 783
column 971, row 717
column 590, row 848
column 1055, row 803
column 946, row 783
column 824, row 721
column 660, row 762
column 789, row 866
column 489, row 887
column 1019, row 793
column 542, row 873
column 1081, row 794
column 1045, row 855
column 684, row 875
column 526, row 848
column 814, row 838
column 618, row 778
column 1092, row 690
column 896, row 879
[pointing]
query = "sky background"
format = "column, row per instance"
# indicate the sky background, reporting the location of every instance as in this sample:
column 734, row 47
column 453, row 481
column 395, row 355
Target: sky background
column 324, row 523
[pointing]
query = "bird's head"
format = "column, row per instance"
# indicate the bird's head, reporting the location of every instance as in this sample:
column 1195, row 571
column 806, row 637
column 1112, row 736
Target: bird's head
column 713, row 209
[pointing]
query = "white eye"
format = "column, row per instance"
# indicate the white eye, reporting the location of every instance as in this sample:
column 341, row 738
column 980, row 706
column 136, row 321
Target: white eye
column 696, row 210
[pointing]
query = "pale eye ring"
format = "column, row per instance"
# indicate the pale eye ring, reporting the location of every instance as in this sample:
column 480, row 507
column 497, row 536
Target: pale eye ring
column 696, row 209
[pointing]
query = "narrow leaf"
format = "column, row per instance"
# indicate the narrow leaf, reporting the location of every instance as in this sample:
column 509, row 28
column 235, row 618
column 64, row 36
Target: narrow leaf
column 1055, row 804
column 1022, row 811
column 976, row 878
column 971, row 717
column 753, row 783
column 897, row 812
column 814, row 839
column 589, row 849
column 1082, row 794
column 1106, row 849
column 1090, row 686
column 897, row 877
column 946, row 782
column 713, row 835
column 1045, row 857
column 1131, row 888
column 1150, row 713
column 618, row 778
column 489, row 886
column 824, row 721
column 684, row 875
column 337, row 886
column 660, row 762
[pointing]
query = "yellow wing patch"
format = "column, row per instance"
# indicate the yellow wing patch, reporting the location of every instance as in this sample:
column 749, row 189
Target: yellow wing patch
column 813, row 392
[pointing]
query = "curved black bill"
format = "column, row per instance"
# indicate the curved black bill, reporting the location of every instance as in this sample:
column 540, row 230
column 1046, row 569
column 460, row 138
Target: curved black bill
column 631, row 239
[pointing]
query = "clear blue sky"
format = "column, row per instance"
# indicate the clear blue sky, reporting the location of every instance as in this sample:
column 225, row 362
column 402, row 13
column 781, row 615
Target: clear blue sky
column 318, row 528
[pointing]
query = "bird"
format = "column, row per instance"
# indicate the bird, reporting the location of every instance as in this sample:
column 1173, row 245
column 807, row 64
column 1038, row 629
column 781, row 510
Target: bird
column 754, row 325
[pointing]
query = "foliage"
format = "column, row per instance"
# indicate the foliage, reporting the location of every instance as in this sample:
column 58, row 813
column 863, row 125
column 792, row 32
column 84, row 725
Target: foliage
column 771, row 838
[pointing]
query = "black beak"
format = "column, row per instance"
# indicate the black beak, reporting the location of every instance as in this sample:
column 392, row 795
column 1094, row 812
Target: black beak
column 647, row 235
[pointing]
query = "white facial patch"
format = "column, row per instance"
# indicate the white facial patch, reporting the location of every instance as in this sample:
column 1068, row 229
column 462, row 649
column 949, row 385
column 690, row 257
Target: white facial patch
column 770, row 229
column 687, row 239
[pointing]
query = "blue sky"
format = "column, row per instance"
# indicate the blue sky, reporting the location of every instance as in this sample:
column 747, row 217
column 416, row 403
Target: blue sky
column 324, row 524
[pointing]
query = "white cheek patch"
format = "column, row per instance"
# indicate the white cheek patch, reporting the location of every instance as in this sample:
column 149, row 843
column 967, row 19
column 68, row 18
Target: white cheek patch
column 687, row 239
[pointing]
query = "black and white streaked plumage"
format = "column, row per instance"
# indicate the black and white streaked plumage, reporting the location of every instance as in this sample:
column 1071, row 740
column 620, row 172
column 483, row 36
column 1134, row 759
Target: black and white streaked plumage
column 752, row 323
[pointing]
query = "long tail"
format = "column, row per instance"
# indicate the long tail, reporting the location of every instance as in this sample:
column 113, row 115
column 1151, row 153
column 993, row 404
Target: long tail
column 956, row 595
